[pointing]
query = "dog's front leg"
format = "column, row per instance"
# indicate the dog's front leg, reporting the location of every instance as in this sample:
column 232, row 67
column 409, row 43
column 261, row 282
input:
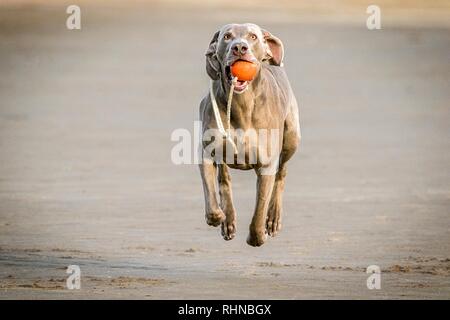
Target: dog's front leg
column 264, row 186
column 213, row 214
column 226, row 203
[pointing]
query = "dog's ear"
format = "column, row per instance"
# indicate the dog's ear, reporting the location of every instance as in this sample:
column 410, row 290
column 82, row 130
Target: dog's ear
column 274, row 50
column 212, row 63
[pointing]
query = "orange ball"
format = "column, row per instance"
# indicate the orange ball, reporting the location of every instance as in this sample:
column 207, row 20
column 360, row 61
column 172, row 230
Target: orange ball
column 244, row 70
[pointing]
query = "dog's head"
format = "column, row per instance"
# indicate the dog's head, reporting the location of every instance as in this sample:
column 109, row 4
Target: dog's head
column 241, row 42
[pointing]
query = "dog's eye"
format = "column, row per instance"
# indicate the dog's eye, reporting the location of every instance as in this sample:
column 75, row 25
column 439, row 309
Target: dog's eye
column 227, row 36
column 253, row 37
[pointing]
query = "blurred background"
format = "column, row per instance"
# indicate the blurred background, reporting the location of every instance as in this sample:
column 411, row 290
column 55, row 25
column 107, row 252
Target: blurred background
column 86, row 176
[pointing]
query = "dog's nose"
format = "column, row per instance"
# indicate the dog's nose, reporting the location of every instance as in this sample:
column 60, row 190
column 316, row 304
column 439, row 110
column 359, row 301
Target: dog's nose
column 240, row 48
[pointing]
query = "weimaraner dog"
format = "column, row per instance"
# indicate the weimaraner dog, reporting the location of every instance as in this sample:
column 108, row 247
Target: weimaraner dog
column 266, row 102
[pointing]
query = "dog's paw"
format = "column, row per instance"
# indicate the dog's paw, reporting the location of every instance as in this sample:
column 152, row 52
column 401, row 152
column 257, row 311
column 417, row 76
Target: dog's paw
column 273, row 223
column 228, row 229
column 215, row 218
column 256, row 238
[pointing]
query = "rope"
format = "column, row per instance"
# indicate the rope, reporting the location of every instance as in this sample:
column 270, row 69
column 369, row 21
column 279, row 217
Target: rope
column 225, row 133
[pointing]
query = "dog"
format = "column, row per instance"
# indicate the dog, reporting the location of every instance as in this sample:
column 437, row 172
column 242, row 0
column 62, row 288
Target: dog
column 266, row 102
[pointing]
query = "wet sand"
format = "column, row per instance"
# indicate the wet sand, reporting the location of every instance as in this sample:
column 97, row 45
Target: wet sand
column 86, row 176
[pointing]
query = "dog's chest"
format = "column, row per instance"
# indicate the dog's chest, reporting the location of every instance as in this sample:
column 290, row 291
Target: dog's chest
column 255, row 147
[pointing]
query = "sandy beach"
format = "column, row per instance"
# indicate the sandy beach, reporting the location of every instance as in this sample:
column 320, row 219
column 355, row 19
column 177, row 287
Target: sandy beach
column 86, row 176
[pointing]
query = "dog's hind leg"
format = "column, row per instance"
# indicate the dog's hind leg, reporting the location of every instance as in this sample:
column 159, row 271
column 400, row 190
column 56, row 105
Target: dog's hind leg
column 273, row 223
column 264, row 187
column 226, row 203
column 291, row 140
column 213, row 213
